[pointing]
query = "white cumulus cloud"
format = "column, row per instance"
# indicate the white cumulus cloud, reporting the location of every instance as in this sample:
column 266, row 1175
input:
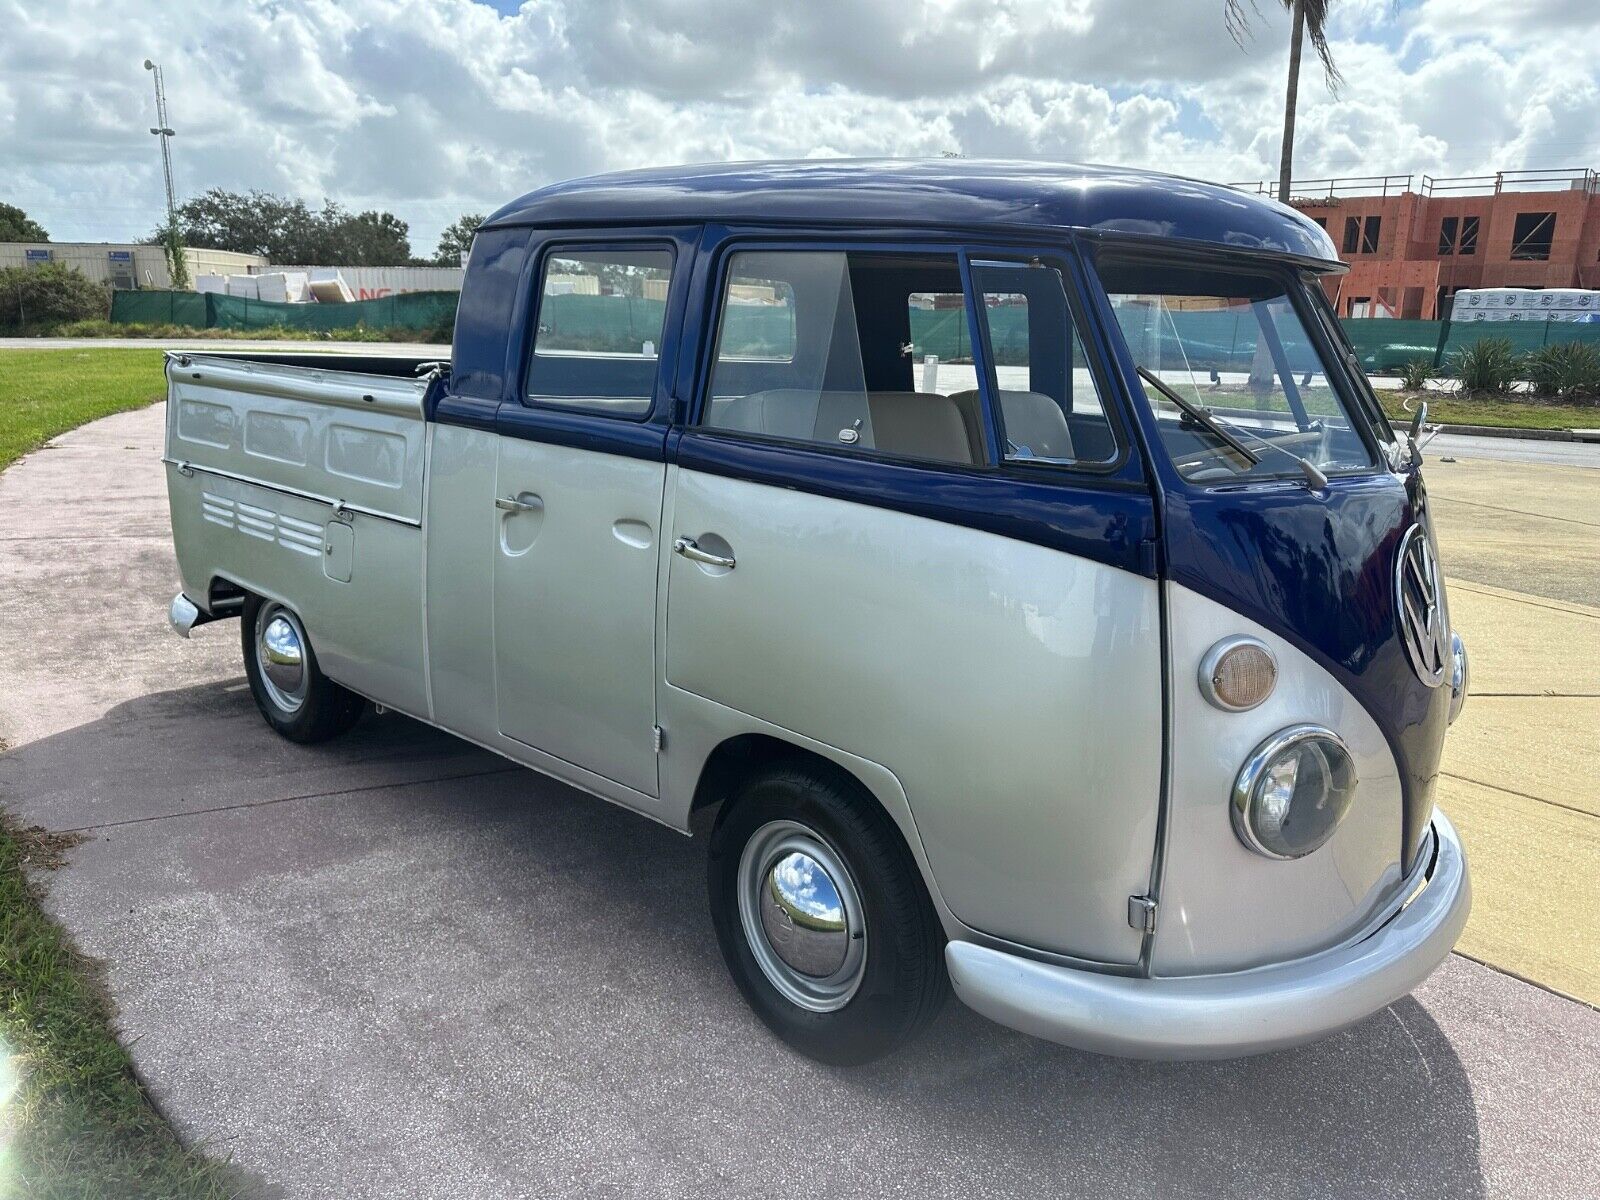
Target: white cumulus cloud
column 434, row 107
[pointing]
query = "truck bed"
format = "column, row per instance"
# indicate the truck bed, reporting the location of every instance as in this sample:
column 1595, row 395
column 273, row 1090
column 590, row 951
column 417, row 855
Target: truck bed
column 300, row 478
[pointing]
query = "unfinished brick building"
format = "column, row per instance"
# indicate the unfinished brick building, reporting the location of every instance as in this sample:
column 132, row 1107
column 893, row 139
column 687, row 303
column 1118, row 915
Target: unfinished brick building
column 1411, row 245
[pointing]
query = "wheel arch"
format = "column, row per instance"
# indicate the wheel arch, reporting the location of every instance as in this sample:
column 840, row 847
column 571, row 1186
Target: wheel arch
column 737, row 756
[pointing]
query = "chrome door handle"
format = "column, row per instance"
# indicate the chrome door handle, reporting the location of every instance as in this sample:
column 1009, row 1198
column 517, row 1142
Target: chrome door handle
column 517, row 504
column 686, row 547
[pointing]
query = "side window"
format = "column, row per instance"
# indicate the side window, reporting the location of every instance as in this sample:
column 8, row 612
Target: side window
column 600, row 317
column 835, row 347
column 1050, row 407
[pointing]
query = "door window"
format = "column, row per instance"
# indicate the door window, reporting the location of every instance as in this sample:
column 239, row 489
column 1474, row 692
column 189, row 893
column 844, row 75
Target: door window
column 1050, row 407
column 600, row 317
column 853, row 350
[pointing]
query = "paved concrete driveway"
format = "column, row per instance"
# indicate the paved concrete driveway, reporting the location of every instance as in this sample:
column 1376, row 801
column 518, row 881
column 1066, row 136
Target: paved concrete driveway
column 395, row 967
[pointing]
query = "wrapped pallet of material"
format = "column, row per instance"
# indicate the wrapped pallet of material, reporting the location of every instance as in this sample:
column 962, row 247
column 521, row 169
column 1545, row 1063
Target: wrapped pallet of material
column 330, row 289
column 1563, row 305
column 282, row 287
column 244, row 287
column 211, row 284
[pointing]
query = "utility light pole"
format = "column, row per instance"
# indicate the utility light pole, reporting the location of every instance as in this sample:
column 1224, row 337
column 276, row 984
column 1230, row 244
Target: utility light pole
column 163, row 130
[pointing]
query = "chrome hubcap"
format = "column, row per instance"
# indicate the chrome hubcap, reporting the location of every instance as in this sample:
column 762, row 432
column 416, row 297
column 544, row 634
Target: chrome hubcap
column 281, row 653
column 802, row 916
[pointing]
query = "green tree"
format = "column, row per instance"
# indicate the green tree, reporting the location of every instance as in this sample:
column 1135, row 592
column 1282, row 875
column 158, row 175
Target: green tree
column 50, row 294
column 1305, row 17
column 18, row 226
column 177, row 261
column 367, row 239
column 456, row 240
column 288, row 230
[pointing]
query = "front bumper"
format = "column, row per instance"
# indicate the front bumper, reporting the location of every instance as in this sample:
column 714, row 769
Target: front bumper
column 1224, row 1016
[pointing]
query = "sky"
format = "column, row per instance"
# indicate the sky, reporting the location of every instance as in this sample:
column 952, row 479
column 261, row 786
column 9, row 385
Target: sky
column 432, row 108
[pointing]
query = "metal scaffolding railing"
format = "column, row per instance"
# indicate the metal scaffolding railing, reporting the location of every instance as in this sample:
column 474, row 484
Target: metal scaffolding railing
column 1565, row 179
column 1314, row 191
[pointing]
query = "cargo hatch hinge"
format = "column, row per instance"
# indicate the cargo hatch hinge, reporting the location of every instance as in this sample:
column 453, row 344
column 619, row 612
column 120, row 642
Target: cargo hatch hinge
column 1142, row 913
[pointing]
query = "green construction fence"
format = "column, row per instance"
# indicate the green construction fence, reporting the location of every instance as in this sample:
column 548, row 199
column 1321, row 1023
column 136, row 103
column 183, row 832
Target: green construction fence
column 410, row 310
column 1222, row 340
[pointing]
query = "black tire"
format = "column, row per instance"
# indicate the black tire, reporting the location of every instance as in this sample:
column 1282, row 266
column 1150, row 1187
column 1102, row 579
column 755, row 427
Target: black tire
column 321, row 709
column 901, row 980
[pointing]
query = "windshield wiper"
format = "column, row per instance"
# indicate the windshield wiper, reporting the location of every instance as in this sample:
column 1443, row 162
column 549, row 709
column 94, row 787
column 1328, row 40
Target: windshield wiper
column 1204, row 415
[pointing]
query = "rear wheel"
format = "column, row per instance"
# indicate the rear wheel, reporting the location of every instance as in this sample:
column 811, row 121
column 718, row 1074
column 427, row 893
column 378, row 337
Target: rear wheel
column 293, row 694
column 822, row 917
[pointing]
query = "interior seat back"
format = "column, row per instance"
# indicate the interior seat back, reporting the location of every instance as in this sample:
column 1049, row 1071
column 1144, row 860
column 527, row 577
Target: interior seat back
column 921, row 425
column 1033, row 421
column 916, row 424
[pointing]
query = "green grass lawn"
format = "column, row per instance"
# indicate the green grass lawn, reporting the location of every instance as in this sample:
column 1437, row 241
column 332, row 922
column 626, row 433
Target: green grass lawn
column 1522, row 412
column 74, row 1120
column 47, row 392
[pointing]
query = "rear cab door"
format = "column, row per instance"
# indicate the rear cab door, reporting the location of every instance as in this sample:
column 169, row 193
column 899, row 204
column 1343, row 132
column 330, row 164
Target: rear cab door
column 933, row 557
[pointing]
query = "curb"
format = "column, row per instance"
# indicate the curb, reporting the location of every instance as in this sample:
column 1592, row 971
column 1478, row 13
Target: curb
column 1534, row 435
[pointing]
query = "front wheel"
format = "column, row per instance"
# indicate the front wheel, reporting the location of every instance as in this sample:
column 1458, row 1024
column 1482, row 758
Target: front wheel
column 293, row 694
column 822, row 917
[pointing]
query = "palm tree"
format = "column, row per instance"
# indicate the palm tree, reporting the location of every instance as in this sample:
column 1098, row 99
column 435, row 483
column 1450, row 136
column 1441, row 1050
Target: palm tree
column 1306, row 16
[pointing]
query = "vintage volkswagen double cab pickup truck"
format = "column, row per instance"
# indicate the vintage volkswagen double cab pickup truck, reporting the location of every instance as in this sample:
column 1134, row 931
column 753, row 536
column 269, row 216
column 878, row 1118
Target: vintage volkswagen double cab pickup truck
column 1006, row 568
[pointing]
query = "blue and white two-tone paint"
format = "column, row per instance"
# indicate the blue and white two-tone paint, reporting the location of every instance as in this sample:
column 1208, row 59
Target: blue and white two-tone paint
column 1004, row 567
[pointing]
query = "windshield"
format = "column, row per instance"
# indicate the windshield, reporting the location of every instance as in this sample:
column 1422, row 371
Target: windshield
column 1246, row 380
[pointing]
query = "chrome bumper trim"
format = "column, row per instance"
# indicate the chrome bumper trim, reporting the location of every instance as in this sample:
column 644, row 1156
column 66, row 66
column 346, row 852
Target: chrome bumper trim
column 1226, row 1016
column 184, row 614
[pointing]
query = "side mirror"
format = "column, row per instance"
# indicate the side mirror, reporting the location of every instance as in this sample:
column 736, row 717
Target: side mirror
column 1417, row 418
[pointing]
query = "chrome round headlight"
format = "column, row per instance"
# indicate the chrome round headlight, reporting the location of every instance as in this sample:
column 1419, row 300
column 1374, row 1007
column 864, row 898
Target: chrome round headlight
column 1293, row 791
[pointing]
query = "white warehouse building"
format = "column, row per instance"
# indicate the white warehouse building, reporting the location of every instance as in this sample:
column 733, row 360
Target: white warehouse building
column 127, row 264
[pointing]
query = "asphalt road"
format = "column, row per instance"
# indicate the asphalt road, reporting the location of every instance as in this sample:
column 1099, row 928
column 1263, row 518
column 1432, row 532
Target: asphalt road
column 1519, row 450
column 394, row 966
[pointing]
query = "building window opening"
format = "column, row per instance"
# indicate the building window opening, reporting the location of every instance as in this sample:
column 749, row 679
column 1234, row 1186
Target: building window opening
column 1369, row 235
column 1447, row 235
column 1352, row 234
column 1532, row 236
column 1469, row 235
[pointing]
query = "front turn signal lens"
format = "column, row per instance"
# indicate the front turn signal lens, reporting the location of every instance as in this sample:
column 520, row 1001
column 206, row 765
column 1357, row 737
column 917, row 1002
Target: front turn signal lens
column 1238, row 673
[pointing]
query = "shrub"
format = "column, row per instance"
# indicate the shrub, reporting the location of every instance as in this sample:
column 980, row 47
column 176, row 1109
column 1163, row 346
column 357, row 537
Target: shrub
column 1570, row 370
column 1415, row 373
column 50, row 294
column 1489, row 366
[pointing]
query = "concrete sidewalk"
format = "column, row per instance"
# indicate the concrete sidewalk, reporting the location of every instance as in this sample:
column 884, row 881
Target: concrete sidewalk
column 393, row 966
column 1521, row 547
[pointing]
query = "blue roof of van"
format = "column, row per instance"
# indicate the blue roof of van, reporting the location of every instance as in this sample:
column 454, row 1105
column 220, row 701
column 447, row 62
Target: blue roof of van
column 967, row 193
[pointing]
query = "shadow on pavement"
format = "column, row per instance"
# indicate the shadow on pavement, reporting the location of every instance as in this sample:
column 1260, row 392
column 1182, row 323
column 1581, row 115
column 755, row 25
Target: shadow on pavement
column 428, row 959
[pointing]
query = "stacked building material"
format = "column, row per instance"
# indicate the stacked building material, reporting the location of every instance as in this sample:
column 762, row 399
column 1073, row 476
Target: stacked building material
column 1526, row 304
